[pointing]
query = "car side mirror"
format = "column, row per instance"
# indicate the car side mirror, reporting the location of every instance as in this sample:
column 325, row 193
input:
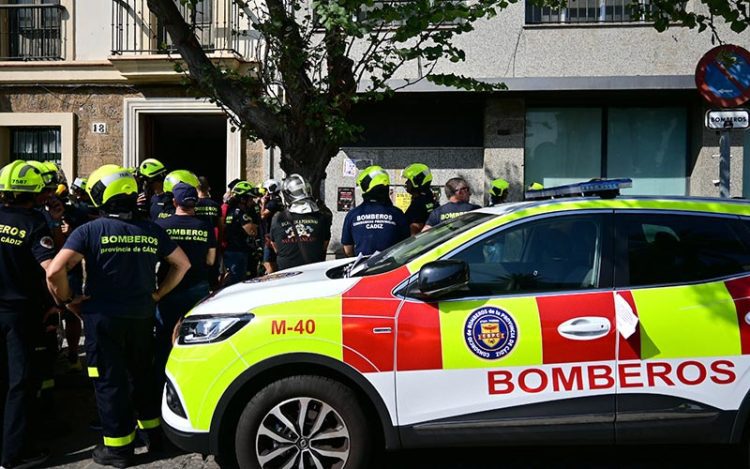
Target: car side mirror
column 441, row 277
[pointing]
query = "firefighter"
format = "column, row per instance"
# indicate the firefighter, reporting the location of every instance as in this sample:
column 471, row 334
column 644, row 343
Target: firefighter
column 459, row 193
column 241, row 229
column 375, row 224
column 26, row 248
column 150, row 177
column 121, row 252
column 299, row 234
column 499, row 191
column 418, row 179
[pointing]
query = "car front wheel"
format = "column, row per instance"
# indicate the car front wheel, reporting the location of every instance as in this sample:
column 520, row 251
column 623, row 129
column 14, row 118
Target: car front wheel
column 303, row 422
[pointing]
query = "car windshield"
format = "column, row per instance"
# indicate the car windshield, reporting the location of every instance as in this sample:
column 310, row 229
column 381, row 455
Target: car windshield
column 404, row 252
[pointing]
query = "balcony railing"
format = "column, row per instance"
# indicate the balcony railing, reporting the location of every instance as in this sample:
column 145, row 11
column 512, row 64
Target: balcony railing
column 585, row 11
column 137, row 31
column 31, row 32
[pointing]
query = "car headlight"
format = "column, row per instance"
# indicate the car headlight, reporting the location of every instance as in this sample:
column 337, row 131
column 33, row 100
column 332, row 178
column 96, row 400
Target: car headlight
column 209, row 329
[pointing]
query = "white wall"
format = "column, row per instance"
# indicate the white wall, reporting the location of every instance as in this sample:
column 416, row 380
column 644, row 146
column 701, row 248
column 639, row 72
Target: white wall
column 93, row 29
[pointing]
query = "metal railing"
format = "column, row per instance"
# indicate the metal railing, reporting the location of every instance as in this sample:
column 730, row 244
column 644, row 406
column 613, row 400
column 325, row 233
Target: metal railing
column 135, row 30
column 586, row 11
column 31, row 32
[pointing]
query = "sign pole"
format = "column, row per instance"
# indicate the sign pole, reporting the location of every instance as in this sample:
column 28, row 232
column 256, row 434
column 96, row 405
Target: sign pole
column 724, row 140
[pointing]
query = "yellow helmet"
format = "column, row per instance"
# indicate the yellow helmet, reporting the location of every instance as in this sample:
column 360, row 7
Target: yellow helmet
column 20, row 176
column 110, row 181
column 535, row 186
column 372, row 177
column 180, row 175
column 151, row 168
column 242, row 188
column 418, row 174
column 49, row 175
column 498, row 187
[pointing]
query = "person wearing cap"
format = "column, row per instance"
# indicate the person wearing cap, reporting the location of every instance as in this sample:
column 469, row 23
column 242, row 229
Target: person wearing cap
column 241, row 229
column 150, row 178
column 26, row 248
column 498, row 191
column 196, row 238
column 418, row 180
column 375, row 224
column 300, row 233
column 459, row 193
column 121, row 252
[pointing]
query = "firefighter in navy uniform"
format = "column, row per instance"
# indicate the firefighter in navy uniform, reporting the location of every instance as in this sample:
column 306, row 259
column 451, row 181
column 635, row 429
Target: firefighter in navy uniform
column 376, row 224
column 170, row 180
column 197, row 240
column 241, row 228
column 150, row 177
column 121, row 253
column 498, row 191
column 418, row 179
column 459, row 193
column 26, row 247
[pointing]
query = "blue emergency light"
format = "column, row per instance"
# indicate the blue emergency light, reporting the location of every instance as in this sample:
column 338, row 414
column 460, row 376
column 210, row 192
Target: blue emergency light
column 604, row 188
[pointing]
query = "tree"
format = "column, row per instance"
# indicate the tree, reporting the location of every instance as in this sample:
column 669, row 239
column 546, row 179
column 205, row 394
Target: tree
column 665, row 12
column 319, row 59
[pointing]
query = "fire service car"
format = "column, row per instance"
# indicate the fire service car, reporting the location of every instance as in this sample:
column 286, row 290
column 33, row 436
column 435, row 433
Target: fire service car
column 596, row 319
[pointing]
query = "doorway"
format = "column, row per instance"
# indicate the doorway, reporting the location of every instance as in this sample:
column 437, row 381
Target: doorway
column 197, row 142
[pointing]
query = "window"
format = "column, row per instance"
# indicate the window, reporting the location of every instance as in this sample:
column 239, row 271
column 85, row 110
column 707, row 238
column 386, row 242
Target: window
column 411, row 248
column 35, row 143
column 648, row 145
column 585, row 11
column 667, row 249
column 552, row 254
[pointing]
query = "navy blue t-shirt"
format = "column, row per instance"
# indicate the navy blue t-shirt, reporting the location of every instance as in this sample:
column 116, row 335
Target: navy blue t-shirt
column 25, row 242
column 161, row 206
column 420, row 208
column 195, row 237
column 121, row 258
column 374, row 226
column 208, row 210
column 450, row 211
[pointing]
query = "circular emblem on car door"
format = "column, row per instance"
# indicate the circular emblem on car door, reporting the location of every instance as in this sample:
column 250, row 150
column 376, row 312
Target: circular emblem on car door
column 490, row 333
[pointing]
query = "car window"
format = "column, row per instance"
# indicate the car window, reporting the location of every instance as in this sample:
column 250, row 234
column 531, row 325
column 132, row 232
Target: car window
column 406, row 251
column 666, row 249
column 552, row 254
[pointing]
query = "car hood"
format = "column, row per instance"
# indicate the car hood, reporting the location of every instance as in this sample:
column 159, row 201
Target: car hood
column 301, row 283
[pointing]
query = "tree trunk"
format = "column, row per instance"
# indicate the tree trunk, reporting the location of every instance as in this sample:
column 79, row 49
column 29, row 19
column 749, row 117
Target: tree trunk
column 310, row 163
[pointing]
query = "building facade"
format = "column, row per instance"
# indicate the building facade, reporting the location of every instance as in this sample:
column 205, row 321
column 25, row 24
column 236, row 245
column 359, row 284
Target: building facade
column 592, row 92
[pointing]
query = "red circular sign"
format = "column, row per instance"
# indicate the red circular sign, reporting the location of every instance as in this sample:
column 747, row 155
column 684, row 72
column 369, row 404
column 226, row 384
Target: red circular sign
column 723, row 76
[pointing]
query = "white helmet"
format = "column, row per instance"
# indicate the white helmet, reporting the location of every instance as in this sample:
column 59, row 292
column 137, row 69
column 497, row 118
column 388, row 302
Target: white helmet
column 294, row 189
column 271, row 185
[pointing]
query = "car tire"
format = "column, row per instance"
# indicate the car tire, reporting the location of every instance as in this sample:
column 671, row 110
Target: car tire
column 334, row 433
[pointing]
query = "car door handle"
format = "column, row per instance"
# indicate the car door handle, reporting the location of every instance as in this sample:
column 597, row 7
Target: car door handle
column 585, row 328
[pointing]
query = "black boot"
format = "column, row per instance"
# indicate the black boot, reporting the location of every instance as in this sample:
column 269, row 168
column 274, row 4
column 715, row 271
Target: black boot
column 155, row 440
column 110, row 456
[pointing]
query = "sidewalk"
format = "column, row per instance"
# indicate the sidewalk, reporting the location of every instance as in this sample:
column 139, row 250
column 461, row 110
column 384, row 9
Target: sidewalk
column 71, row 441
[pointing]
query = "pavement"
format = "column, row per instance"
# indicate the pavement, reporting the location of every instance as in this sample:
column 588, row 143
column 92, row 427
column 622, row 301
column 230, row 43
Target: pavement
column 72, row 442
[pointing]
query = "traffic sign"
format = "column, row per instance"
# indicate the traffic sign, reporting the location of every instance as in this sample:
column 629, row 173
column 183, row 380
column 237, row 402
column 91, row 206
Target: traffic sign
column 724, row 119
column 723, row 76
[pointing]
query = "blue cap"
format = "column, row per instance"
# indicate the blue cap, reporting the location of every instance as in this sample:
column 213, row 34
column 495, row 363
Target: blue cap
column 185, row 195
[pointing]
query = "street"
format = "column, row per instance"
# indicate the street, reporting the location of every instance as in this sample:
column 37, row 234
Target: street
column 71, row 448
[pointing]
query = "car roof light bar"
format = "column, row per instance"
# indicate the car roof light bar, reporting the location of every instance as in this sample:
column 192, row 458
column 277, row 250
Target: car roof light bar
column 604, row 188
